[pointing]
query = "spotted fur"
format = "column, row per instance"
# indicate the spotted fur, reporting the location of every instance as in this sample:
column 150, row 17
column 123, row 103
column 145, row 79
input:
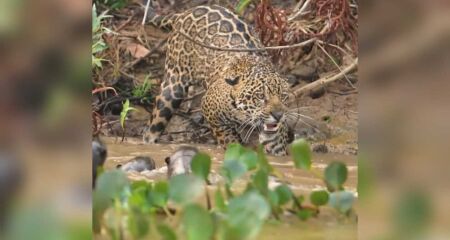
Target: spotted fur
column 244, row 91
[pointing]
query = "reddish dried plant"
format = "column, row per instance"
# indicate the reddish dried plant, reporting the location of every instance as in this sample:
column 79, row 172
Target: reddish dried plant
column 326, row 19
column 271, row 24
column 337, row 14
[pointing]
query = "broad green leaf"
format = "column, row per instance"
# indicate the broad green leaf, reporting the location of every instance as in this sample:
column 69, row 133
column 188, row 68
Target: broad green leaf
column 184, row 189
column 233, row 152
column 305, row 213
column 246, row 215
column 219, row 200
column 319, row 198
column 342, row 200
column 301, row 154
column 233, row 169
column 262, row 160
column 197, row 223
column 138, row 199
column 166, row 232
column 138, row 224
column 140, row 184
column 335, row 175
column 159, row 194
column 261, row 181
column 250, row 159
column 109, row 186
column 284, row 194
column 201, row 165
column 273, row 198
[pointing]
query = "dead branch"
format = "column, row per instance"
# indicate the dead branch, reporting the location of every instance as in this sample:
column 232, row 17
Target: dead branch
column 247, row 49
column 326, row 80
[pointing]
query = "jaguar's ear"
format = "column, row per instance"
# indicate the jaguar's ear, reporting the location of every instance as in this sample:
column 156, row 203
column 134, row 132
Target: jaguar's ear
column 232, row 81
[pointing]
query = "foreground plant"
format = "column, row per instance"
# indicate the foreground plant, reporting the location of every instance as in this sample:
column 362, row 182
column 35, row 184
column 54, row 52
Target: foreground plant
column 174, row 208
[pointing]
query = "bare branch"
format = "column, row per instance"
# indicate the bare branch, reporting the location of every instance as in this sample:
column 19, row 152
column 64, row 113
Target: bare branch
column 326, row 80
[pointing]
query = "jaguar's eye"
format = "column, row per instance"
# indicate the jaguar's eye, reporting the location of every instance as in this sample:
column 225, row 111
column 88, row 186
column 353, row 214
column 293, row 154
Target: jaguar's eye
column 284, row 96
column 260, row 96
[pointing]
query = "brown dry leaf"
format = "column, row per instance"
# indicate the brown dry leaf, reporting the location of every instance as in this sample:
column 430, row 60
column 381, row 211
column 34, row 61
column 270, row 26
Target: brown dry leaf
column 137, row 50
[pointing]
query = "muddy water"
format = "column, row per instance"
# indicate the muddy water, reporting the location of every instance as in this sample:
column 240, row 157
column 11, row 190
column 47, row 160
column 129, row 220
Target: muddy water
column 327, row 226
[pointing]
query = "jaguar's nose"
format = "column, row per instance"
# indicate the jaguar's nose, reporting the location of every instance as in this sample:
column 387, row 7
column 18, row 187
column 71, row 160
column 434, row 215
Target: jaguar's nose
column 277, row 115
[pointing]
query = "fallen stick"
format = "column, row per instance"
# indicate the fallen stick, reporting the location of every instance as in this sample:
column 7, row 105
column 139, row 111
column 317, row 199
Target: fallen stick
column 326, row 80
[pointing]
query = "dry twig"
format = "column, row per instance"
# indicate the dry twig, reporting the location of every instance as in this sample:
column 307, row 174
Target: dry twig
column 326, row 80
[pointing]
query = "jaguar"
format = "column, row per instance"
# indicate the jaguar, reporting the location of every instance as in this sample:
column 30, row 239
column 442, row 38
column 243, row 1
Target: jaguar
column 209, row 46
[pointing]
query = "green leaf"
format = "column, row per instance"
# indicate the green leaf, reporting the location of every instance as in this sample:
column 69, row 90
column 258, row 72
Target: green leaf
column 284, row 194
column 245, row 216
column 342, row 200
column 138, row 199
column 301, row 154
column 159, row 194
column 219, row 200
column 319, row 198
column 109, row 185
column 261, row 181
column 273, row 198
column 233, row 152
column 197, row 223
column 201, row 165
column 166, row 232
column 138, row 224
column 262, row 160
column 335, row 175
column 242, row 5
column 125, row 109
column 305, row 213
column 140, row 184
column 250, row 159
column 184, row 189
column 233, row 169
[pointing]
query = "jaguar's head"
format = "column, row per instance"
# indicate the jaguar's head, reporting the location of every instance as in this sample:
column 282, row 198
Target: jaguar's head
column 259, row 93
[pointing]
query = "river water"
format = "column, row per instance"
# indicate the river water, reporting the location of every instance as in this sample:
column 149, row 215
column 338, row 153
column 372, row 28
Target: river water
column 328, row 225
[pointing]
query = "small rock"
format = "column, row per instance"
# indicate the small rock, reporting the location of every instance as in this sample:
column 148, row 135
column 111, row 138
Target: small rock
column 321, row 148
column 138, row 164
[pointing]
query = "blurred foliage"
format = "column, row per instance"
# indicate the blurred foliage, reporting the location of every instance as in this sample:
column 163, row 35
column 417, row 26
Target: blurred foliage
column 412, row 214
column 28, row 224
column 235, row 215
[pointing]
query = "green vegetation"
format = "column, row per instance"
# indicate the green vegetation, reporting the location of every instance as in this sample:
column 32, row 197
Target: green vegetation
column 171, row 209
column 142, row 90
column 98, row 44
column 125, row 109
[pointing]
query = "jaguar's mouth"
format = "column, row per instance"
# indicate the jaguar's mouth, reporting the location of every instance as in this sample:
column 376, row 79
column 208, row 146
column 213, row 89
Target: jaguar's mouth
column 270, row 127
